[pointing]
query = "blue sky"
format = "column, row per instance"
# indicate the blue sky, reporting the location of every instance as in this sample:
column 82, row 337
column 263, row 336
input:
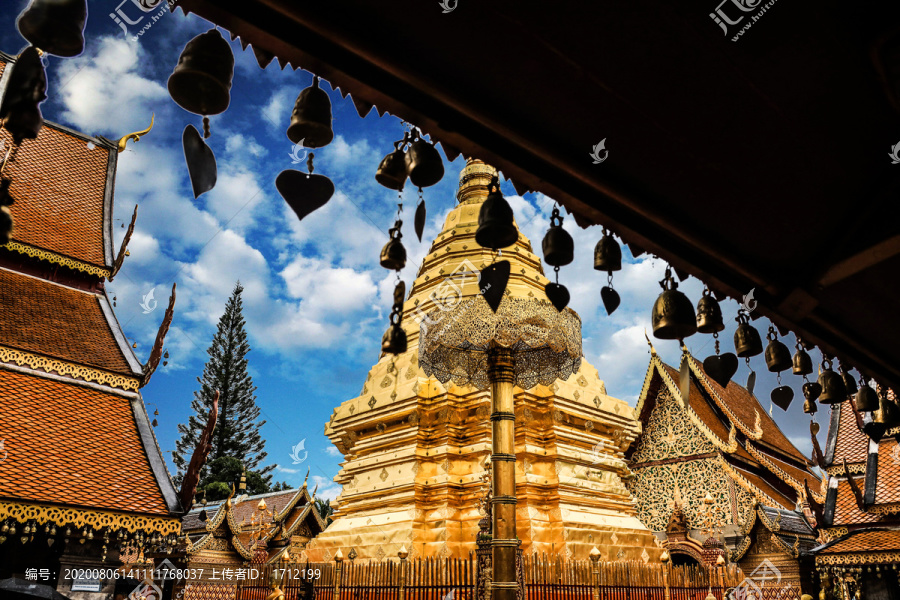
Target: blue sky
column 316, row 300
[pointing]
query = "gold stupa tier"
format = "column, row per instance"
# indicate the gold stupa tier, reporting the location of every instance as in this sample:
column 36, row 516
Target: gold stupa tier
column 415, row 450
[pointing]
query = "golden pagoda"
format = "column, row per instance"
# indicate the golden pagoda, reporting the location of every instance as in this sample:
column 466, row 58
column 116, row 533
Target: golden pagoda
column 415, row 450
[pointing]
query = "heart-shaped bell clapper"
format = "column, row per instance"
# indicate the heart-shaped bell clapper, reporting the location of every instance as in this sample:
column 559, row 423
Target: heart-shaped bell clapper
column 721, row 367
column 304, row 192
column 201, row 162
column 419, row 221
column 751, row 378
column 609, row 296
column 492, row 282
column 558, row 295
column 782, row 396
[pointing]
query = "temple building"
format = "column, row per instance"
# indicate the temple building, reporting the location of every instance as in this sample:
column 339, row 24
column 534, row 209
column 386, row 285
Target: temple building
column 861, row 514
column 259, row 529
column 82, row 478
column 716, row 464
column 415, row 450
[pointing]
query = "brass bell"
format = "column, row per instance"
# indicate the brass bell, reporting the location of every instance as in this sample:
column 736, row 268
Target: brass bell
column 311, row 118
column 778, row 357
column 802, row 362
column 866, row 399
column 888, row 413
column 833, row 390
column 25, row 90
column 809, row 407
column 394, row 339
column 747, row 342
column 709, row 314
column 391, row 172
column 201, row 81
column 607, row 254
column 423, row 163
column 496, row 228
column 673, row 315
column 54, row 26
column 558, row 245
column 393, row 255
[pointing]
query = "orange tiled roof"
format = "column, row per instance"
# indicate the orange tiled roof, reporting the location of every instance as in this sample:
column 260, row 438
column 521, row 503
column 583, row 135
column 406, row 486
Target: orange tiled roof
column 73, row 445
column 59, row 185
column 846, row 512
column 851, row 443
column 866, row 541
column 745, row 406
column 765, row 487
column 887, row 488
column 57, row 321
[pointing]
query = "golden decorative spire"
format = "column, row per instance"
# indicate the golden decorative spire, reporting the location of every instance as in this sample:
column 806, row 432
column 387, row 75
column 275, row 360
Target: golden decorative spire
column 136, row 135
column 474, row 181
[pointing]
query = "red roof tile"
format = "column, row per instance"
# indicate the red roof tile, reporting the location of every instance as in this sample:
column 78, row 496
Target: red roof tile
column 69, row 444
column 846, row 512
column 57, row 321
column 887, row 490
column 852, row 444
column 866, row 541
column 59, row 186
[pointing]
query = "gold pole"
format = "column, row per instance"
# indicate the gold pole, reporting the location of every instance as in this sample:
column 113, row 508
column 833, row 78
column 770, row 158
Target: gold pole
column 501, row 375
column 338, row 563
column 402, row 553
column 595, row 572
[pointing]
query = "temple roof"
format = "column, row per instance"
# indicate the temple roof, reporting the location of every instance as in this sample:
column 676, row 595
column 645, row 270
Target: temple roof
column 756, row 451
column 63, row 192
column 864, row 540
column 78, row 445
column 283, row 513
column 845, row 440
column 61, row 322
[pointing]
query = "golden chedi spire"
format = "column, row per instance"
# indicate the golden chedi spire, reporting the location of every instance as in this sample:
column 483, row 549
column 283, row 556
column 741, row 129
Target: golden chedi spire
column 414, row 449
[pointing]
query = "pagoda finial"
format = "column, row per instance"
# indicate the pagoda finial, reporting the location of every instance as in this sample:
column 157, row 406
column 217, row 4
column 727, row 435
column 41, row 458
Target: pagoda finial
column 649, row 343
column 136, row 135
column 475, row 180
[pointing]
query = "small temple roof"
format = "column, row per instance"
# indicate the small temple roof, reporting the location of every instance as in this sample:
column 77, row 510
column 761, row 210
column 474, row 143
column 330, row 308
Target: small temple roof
column 69, row 324
column 863, row 541
column 77, row 445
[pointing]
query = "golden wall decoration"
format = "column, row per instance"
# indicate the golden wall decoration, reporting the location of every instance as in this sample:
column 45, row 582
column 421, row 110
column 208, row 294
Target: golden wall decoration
column 55, row 258
column 61, row 367
column 654, row 490
column 96, row 519
column 669, row 433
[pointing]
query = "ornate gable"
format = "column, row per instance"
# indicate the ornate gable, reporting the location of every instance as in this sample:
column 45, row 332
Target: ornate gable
column 669, row 433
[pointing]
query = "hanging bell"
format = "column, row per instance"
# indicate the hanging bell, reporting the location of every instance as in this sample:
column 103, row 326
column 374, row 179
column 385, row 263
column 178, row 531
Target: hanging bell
column 709, row 314
column 54, row 26
column 394, row 339
column 26, row 88
column 778, row 357
column 888, row 413
column 673, row 315
column 496, row 228
column 607, row 254
column 423, row 163
column 833, row 390
column 311, row 118
column 393, row 255
column 201, row 81
column 391, row 172
column 558, row 245
column 802, row 362
column 747, row 342
column 809, row 407
column 866, row 399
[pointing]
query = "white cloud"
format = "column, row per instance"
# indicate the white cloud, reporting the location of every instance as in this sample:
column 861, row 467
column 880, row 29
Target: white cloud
column 281, row 469
column 333, row 451
column 277, row 112
column 327, row 489
column 325, row 290
column 104, row 92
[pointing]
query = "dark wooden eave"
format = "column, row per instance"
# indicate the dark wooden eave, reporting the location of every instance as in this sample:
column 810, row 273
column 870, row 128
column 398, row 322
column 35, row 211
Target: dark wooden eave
column 761, row 163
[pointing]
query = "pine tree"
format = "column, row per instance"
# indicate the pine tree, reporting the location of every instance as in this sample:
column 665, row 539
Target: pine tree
column 237, row 433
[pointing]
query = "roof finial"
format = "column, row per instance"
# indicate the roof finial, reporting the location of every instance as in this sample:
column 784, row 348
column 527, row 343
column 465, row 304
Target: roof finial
column 307, row 477
column 649, row 343
column 136, row 135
